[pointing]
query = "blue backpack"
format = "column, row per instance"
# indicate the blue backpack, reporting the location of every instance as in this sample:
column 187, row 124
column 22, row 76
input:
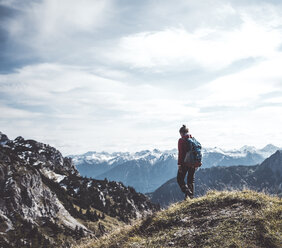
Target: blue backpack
column 194, row 154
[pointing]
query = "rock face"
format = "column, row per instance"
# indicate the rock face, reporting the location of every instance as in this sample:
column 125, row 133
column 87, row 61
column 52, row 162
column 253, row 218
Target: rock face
column 147, row 170
column 42, row 195
column 264, row 177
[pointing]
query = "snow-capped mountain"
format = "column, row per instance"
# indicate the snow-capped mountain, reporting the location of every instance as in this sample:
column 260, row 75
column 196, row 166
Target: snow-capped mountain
column 246, row 155
column 147, row 170
column 93, row 164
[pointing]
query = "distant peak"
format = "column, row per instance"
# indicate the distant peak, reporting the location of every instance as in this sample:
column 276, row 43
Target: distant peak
column 3, row 137
column 250, row 148
column 278, row 153
column 19, row 139
column 89, row 153
column 143, row 152
column 270, row 147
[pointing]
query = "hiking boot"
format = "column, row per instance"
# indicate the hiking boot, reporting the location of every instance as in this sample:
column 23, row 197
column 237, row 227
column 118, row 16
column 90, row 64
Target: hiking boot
column 186, row 196
column 191, row 196
column 188, row 193
column 191, row 190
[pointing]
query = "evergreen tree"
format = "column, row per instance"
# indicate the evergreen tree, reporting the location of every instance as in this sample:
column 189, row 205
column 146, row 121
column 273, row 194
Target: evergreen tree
column 88, row 214
column 81, row 232
column 95, row 216
column 103, row 216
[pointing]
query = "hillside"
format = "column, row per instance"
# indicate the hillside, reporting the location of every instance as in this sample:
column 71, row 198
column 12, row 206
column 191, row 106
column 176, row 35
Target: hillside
column 264, row 177
column 219, row 219
column 147, row 170
column 44, row 202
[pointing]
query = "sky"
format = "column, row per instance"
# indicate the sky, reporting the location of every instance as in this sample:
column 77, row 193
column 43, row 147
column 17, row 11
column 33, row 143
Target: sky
column 123, row 75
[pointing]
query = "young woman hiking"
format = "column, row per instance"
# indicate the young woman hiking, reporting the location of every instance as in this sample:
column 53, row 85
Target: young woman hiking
column 183, row 168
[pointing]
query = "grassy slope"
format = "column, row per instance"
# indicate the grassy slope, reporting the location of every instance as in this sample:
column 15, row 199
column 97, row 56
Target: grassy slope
column 219, row 219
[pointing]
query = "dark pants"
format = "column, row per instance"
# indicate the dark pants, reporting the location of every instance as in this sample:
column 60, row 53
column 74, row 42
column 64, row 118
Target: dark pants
column 182, row 170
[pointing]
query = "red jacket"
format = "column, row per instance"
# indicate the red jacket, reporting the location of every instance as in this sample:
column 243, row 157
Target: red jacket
column 182, row 148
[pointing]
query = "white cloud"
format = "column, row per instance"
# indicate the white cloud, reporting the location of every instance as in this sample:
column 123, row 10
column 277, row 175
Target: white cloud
column 275, row 100
column 64, row 87
column 11, row 113
column 58, row 30
column 90, row 108
column 50, row 18
column 87, row 110
column 102, row 84
column 212, row 49
column 239, row 111
column 245, row 87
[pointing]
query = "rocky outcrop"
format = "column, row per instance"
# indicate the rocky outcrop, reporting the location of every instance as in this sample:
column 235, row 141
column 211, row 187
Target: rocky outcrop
column 42, row 195
column 39, row 155
column 25, row 200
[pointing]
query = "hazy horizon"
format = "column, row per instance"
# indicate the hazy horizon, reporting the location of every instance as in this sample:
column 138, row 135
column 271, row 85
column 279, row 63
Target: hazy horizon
column 155, row 148
column 236, row 148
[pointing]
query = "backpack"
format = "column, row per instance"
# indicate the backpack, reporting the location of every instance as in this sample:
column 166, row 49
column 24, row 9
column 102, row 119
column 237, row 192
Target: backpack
column 193, row 157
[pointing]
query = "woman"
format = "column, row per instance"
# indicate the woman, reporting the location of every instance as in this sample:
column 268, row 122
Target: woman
column 187, row 189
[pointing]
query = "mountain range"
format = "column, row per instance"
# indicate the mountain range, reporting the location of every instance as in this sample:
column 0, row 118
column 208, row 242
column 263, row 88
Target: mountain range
column 147, row 170
column 44, row 202
column 266, row 177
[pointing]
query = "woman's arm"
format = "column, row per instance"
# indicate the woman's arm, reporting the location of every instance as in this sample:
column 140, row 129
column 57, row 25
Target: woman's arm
column 181, row 152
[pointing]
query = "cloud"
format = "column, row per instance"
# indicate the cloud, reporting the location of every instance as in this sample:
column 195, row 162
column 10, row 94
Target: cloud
column 77, row 107
column 67, row 102
column 157, row 36
column 249, row 89
column 55, row 30
column 125, row 75
column 65, row 88
column 49, row 18
column 212, row 49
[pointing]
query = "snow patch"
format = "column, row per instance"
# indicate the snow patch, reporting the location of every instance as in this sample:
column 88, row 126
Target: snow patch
column 67, row 219
column 28, row 145
column 63, row 186
column 102, row 198
column 37, row 163
column 52, row 175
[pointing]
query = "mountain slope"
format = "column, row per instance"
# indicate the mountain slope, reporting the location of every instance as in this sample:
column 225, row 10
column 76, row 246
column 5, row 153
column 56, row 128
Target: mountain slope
column 267, row 176
column 219, row 219
column 44, row 202
column 148, row 170
column 141, row 174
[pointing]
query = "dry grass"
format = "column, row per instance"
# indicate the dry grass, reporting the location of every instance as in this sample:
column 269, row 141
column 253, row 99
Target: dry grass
column 219, row 219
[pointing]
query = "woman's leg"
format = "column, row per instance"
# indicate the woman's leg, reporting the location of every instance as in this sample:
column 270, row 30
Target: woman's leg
column 191, row 181
column 182, row 170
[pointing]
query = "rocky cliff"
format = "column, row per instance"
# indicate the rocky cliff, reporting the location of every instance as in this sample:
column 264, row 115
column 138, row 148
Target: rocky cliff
column 44, row 202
